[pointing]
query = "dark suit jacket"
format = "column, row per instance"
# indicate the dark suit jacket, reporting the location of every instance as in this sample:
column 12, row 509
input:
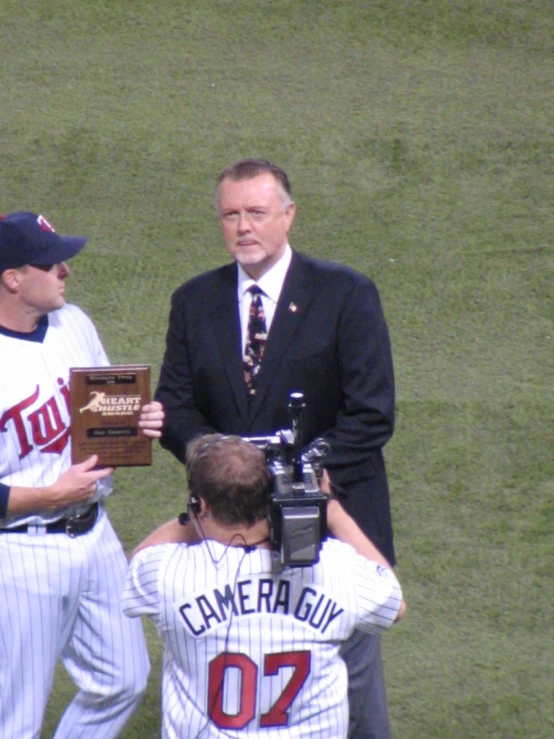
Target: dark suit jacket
column 328, row 340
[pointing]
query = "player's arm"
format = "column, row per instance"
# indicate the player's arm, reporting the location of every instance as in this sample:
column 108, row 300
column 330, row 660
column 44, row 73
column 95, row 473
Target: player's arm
column 345, row 529
column 183, row 421
column 140, row 595
column 171, row 532
column 365, row 364
column 76, row 485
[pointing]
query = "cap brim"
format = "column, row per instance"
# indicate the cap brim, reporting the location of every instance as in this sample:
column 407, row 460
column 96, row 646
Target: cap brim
column 64, row 248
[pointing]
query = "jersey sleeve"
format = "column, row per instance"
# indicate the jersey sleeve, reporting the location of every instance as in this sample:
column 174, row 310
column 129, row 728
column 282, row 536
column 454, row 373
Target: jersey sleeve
column 101, row 358
column 378, row 595
column 75, row 320
column 141, row 595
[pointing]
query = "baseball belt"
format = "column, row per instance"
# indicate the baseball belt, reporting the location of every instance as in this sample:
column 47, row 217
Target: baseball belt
column 73, row 526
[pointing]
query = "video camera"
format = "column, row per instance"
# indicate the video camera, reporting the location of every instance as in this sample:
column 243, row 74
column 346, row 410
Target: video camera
column 298, row 513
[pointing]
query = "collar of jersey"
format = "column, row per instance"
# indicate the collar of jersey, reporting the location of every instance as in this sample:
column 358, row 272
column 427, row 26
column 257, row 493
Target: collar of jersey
column 37, row 335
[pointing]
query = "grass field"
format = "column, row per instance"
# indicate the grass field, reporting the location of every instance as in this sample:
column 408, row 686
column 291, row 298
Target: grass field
column 419, row 139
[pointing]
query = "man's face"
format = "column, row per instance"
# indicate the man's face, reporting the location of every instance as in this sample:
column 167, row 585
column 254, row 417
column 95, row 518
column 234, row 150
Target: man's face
column 42, row 289
column 256, row 218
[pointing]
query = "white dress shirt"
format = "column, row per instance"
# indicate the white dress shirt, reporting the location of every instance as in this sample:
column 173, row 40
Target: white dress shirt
column 271, row 284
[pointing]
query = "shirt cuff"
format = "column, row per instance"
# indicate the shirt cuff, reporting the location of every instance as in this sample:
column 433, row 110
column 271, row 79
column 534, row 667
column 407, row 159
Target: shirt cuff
column 4, row 495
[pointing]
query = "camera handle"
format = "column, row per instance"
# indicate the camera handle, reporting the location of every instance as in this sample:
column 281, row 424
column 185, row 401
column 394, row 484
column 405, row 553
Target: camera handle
column 296, row 410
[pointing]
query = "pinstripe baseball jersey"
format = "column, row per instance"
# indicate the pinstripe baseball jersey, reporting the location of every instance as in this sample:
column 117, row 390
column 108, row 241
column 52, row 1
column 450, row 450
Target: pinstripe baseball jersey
column 35, row 445
column 63, row 592
column 249, row 651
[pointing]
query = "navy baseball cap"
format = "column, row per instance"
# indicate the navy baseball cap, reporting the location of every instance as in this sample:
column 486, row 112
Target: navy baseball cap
column 28, row 238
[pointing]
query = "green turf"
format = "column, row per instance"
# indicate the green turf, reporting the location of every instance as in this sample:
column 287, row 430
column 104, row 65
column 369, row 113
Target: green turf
column 418, row 137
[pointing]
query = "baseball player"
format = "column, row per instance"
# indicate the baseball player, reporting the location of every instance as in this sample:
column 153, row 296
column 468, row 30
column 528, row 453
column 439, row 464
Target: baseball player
column 61, row 563
column 251, row 650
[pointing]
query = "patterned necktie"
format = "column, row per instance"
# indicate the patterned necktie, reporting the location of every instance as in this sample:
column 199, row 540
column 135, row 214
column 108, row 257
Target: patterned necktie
column 256, row 338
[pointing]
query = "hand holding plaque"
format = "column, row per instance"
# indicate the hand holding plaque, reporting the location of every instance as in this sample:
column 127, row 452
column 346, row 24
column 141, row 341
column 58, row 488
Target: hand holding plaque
column 105, row 408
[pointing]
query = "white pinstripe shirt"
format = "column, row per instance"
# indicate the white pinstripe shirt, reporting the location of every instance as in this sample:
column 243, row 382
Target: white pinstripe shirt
column 35, row 442
column 253, row 652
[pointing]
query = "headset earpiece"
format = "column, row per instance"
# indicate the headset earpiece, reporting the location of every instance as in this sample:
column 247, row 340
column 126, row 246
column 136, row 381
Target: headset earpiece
column 194, row 505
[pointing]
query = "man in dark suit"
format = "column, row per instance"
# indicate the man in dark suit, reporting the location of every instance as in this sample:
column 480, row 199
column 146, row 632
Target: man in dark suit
column 241, row 338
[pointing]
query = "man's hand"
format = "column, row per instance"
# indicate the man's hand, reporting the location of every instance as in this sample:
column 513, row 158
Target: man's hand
column 334, row 508
column 76, row 485
column 325, row 484
column 151, row 419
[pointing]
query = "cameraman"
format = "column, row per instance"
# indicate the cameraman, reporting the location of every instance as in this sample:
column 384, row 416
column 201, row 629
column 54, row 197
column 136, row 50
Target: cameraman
column 248, row 646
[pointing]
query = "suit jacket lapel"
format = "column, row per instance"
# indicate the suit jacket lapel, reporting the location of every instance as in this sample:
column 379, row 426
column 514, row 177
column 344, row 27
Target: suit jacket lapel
column 225, row 318
column 296, row 295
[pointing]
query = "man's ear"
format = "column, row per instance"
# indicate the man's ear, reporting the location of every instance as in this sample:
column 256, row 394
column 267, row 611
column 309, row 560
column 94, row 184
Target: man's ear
column 290, row 212
column 10, row 279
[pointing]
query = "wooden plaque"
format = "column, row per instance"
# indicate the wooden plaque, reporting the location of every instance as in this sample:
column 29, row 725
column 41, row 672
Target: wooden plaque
column 105, row 409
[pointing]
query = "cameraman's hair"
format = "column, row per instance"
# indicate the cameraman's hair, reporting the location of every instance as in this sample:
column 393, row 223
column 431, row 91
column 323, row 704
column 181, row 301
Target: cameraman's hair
column 231, row 476
column 247, row 169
